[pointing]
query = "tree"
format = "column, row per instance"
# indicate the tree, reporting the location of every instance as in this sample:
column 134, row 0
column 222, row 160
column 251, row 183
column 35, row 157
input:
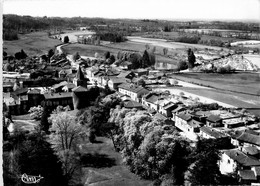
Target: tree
column 64, row 139
column 145, row 60
column 112, row 58
column 66, row 39
column 107, row 55
column 36, row 112
column 205, row 158
column 141, row 82
column 191, row 58
column 165, row 51
column 50, row 53
column 182, row 65
column 31, row 154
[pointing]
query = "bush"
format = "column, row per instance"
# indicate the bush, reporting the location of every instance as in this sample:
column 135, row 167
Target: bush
column 182, row 65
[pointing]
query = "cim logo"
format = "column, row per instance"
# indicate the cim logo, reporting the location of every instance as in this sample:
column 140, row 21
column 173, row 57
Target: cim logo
column 29, row 179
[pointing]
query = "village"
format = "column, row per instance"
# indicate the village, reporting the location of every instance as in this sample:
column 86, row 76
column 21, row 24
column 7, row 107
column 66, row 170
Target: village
column 143, row 89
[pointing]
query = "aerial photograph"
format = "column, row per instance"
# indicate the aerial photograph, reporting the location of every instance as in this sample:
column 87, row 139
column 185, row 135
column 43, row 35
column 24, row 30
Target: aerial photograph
column 130, row 92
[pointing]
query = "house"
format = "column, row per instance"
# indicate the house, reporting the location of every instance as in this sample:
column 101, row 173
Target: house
column 134, row 91
column 177, row 110
column 214, row 121
column 166, row 108
column 229, row 119
column 55, row 99
column 185, row 123
column 114, row 82
column 234, row 159
column 211, row 133
column 233, row 122
column 140, row 72
column 150, row 101
column 246, row 177
column 242, row 138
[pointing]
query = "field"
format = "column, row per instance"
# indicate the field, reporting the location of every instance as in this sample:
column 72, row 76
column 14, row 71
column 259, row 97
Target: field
column 113, row 48
column 103, row 166
column 174, row 35
column 35, row 43
column 247, row 83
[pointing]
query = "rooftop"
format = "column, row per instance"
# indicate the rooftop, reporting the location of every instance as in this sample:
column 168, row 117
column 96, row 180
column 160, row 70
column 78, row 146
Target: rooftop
column 79, row 89
column 133, row 88
column 57, row 95
column 186, row 117
column 242, row 158
column 247, row 138
column 212, row 132
column 132, row 104
column 247, row 174
column 214, row 118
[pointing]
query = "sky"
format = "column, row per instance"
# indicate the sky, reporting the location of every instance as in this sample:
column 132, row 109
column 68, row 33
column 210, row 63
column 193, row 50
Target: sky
column 138, row 9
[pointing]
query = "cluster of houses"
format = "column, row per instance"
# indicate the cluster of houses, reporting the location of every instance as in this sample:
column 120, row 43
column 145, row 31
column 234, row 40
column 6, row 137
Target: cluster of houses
column 236, row 126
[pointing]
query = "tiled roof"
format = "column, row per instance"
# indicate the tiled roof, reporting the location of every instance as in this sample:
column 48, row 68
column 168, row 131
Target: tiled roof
column 214, row 118
column 79, row 89
column 20, row 91
column 184, row 116
column 212, row 132
column 57, row 95
column 133, row 88
column 178, row 109
column 251, row 150
column 152, row 99
column 242, row 158
column 132, row 104
column 247, row 174
column 249, row 138
column 169, row 105
column 117, row 80
column 34, row 91
column 160, row 116
column 61, row 84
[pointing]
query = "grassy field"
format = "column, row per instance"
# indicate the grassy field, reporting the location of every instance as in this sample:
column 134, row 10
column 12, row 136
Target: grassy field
column 103, row 166
column 35, row 43
column 247, row 83
column 174, row 35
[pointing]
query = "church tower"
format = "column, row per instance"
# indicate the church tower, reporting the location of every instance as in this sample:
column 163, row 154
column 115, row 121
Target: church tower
column 79, row 80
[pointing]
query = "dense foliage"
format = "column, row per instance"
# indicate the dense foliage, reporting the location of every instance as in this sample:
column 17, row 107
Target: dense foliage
column 30, row 154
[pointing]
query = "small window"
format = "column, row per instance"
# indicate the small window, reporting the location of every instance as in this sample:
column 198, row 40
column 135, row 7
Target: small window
column 228, row 161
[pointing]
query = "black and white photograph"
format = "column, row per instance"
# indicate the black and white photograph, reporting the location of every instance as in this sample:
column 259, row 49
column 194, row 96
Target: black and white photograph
column 130, row 92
